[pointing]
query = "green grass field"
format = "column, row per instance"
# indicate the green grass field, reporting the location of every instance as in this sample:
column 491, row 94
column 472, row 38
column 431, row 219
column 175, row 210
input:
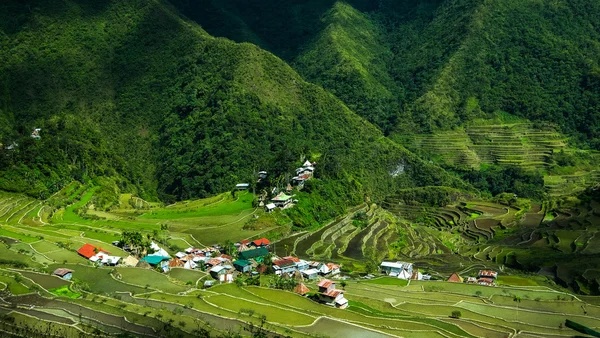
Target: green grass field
column 388, row 281
column 64, row 291
column 145, row 278
column 187, row 276
column 242, row 202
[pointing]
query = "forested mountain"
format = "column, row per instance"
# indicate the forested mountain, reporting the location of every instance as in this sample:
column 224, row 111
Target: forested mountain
column 450, row 60
column 133, row 91
column 142, row 93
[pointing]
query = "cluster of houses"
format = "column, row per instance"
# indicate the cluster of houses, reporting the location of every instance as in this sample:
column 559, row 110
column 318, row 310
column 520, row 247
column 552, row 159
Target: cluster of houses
column 289, row 265
column 283, row 199
column 484, row 277
column 402, row 270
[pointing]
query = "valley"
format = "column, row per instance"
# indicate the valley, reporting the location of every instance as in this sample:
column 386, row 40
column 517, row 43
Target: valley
column 465, row 236
column 307, row 168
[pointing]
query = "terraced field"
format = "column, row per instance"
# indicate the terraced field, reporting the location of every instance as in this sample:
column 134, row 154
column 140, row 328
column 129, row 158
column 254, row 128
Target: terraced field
column 43, row 233
column 464, row 237
column 476, row 221
column 342, row 240
column 516, row 144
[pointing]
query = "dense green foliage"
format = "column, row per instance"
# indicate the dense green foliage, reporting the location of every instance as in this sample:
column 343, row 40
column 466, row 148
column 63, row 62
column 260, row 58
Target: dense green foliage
column 431, row 196
column 132, row 91
column 496, row 180
column 350, row 58
column 431, row 65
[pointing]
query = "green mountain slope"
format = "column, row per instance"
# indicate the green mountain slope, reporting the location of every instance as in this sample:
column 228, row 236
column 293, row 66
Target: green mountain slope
column 535, row 60
column 452, row 61
column 133, row 91
column 350, row 58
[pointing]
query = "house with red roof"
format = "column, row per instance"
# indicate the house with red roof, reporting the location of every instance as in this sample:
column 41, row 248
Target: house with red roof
column 334, row 269
column 262, row 242
column 329, row 295
column 88, row 251
column 487, row 274
column 283, row 265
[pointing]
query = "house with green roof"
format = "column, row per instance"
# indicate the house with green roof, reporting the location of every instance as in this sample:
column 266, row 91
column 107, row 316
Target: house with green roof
column 243, row 265
column 154, row 260
column 258, row 252
column 282, row 200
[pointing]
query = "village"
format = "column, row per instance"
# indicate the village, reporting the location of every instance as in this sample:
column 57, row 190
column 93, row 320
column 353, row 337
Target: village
column 251, row 258
column 255, row 258
column 198, row 258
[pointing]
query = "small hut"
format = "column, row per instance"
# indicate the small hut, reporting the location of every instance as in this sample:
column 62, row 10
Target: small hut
column 301, row 289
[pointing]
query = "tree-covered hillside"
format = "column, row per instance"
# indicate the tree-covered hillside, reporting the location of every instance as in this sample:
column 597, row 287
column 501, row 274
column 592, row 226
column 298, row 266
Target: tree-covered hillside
column 450, row 61
column 350, row 57
column 133, row 91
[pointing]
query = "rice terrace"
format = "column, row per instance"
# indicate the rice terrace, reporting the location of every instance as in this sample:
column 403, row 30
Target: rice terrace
column 305, row 168
column 151, row 300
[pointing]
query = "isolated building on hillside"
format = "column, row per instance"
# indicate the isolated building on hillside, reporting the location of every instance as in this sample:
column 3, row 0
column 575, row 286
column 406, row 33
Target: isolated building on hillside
column 282, row 200
column 455, row 278
column 63, row 273
column 242, row 186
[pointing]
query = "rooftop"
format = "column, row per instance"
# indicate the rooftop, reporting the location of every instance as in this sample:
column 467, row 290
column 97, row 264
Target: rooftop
column 62, row 272
column 88, row 251
column 253, row 253
column 261, row 241
column 284, row 263
column 325, row 283
column 281, row 197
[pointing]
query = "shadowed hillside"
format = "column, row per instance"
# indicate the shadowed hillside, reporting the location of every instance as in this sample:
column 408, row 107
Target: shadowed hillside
column 132, row 91
column 452, row 61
